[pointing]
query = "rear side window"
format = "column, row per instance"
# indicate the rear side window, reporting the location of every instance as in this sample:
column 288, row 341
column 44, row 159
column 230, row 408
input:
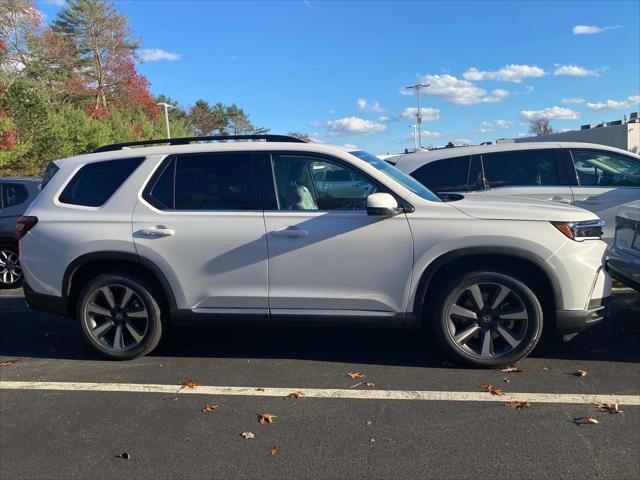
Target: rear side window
column 209, row 181
column 521, row 168
column 603, row 169
column 13, row 194
column 448, row 175
column 94, row 183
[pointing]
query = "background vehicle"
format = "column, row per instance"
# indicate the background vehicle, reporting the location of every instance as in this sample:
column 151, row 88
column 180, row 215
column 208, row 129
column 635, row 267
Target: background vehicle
column 594, row 177
column 15, row 196
column 623, row 257
column 128, row 241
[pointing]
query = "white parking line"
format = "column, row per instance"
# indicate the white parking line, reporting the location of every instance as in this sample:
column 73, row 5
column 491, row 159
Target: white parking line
column 325, row 393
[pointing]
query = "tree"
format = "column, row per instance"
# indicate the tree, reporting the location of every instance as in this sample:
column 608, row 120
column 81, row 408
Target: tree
column 540, row 127
column 103, row 43
column 301, row 136
column 202, row 118
column 240, row 123
column 18, row 29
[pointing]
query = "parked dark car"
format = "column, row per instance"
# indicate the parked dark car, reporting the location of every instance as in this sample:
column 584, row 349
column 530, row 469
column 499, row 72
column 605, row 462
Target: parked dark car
column 15, row 196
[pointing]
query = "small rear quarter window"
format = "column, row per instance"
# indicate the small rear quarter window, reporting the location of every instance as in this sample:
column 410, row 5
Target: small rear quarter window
column 94, row 183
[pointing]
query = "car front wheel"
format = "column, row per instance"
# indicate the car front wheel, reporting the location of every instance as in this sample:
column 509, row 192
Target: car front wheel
column 120, row 315
column 487, row 319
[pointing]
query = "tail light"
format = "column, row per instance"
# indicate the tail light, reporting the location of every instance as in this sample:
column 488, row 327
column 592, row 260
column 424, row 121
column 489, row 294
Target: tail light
column 25, row 224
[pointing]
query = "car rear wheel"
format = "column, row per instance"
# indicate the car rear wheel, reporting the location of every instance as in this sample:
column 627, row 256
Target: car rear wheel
column 120, row 315
column 10, row 271
column 487, row 319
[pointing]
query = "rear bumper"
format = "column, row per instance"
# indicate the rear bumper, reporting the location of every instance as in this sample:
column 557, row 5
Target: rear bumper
column 43, row 302
column 574, row 321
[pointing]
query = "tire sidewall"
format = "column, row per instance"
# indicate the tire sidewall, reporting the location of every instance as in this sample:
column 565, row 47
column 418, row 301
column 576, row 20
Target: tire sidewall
column 18, row 284
column 148, row 297
column 450, row 292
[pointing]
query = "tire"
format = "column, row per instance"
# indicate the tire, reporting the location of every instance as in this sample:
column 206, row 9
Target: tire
column 507, row 326
column 10, row 271
column 133, row 310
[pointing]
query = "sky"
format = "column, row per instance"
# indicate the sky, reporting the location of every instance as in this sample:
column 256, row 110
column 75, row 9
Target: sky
column 337, row 70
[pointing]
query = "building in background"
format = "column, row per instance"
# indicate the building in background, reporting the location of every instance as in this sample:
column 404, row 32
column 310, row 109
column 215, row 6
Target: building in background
column 624, row 134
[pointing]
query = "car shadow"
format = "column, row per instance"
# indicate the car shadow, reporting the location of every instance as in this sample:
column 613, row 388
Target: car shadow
column 26, row 333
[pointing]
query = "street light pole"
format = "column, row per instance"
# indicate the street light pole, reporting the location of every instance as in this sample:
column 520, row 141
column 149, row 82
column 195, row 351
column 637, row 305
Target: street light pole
column 166, row 107
column 418, row 87
column 415, row 136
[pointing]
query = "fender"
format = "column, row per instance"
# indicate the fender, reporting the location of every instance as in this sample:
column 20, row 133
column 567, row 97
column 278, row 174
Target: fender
column 433, row 267
column 115, row 255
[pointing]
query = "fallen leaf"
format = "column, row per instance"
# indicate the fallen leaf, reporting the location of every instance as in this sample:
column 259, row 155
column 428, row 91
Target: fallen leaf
column 369, row 423
column 274, row 451
column 588, row 420
column 546, row 369
column 506, row 380
column 511, row 369
column 8, row 363
column 266, row 418
column 124, row 455
column 581, row 373
column 259, row 389
column 189, row 384
column 608, row 407
column 187, row 439
column 161, row 365
column 491, row 389
column 209, row 407
column 369, row 384
column 248, row 435
column 356, row 375
column 295, row 395
column 518, row 405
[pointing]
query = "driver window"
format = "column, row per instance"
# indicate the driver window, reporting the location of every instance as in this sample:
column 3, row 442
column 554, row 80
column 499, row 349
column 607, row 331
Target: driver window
column 308, row 183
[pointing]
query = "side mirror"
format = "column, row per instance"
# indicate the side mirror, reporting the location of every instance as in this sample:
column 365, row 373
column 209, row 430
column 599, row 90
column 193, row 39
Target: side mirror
column 382, row 204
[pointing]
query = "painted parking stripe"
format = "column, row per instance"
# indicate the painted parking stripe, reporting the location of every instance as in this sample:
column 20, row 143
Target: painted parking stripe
column 324, row 393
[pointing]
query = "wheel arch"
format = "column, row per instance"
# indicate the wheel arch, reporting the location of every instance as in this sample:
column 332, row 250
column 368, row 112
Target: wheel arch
column 91, row 264
column 515, row 260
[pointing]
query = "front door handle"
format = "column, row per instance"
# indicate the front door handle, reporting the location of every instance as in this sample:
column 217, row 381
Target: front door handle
column 156, row 232
column 291, row 232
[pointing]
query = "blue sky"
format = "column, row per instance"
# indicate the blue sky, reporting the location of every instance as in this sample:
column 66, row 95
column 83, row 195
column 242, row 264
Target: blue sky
column 336, row 70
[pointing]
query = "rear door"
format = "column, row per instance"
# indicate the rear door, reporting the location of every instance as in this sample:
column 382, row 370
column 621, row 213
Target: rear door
column 606, row 181
column 201, row 222
column 538, row 174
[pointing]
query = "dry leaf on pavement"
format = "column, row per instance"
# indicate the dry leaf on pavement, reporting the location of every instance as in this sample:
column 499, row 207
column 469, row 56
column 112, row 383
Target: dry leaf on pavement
column 608, row 407
column 511, row 369
column 259, row 389
column 588, row 420
column 187, row 439
column 356, row 375
column 189, row 384
column 274, row 451
column 266, row 418
column 8, row 363
column 161, row 365
column 369, row 423
column 581, row 373
column 124, row 455
column 295, row 395
column 491, row 389
column 209, row 407
column 248, row 435
column 518, row 405
column 546, row 369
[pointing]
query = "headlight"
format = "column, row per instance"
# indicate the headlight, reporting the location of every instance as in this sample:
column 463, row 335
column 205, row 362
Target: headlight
column 579, row 231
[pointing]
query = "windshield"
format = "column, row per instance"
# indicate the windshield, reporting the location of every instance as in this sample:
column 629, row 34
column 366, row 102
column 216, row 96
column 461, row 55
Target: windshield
column 399, row 176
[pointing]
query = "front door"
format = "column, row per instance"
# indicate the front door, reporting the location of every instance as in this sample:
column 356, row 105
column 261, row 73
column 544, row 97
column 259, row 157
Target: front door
column 327, row 257
column 201, row 223
column 606, row 181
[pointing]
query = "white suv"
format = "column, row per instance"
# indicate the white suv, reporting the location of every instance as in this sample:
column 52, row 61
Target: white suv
column 131, row 240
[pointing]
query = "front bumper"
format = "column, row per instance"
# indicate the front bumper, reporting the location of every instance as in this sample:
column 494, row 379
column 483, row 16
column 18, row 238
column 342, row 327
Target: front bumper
column 573, row 321
column 43, row 302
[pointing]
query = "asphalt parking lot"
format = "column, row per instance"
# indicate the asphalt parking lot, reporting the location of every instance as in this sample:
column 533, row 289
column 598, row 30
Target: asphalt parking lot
column 67, row 414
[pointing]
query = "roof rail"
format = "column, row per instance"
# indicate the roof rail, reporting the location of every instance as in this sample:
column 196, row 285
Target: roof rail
column 188, row 140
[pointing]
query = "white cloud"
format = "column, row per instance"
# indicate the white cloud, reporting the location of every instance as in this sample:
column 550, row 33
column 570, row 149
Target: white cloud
column 384, row 119
column 575, row 71
column 353, row 126
column 591, row 29
column 460, row 92
column 508, row 73
column 157, row 54
column 573, row 101
column 550, row 113
column 429, row 134
column 503, row 123
column 58, row 3
column 372, row 106
column 615, row 104
column 428, row 114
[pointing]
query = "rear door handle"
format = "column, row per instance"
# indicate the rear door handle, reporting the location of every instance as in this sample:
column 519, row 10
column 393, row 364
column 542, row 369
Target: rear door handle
column 156, row 232
column 291, row 232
